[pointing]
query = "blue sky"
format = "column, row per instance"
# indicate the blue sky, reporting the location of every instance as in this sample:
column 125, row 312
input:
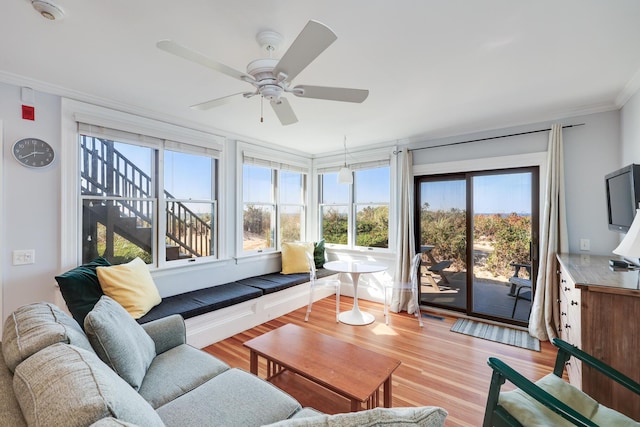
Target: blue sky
column 188, row 176
column 372, row 185
column 504, row 194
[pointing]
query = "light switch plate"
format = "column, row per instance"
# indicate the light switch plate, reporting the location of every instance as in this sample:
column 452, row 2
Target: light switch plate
column 585, row 244
column 24, row 256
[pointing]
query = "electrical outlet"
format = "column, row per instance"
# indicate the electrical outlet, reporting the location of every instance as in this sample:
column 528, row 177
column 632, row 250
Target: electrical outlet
column 24, row 256
column 585, row 244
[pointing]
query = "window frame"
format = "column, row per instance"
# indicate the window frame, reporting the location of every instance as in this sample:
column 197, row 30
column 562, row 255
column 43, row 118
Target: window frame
column 277, row 161
column 365, row 160
column 176, row 138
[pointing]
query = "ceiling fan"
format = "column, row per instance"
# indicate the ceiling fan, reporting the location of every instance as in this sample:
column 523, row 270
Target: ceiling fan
column 271, row 77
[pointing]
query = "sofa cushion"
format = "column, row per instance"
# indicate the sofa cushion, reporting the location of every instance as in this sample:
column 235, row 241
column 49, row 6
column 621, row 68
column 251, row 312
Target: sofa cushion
column 119, row 341
column 306, row 413
column 275, row 282
column 233, row 398
column 424, row 416
column 33, row 327
column 201, row 301
column 81, row 289
column 176, row 372
column 530, row 412
column 294, row 258
column 131, row 285
column 10, row 413
column 270, row 283
column 111, row 422
column 167, row 332
column 66, row 385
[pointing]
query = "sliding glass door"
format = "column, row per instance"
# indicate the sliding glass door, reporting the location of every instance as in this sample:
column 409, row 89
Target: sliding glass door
column 478, row 235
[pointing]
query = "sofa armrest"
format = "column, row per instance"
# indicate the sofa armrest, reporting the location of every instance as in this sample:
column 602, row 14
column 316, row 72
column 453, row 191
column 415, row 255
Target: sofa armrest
column 167, row 333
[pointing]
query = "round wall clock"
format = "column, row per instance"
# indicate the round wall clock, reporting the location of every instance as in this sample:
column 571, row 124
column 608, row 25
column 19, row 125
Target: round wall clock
column 33, row 152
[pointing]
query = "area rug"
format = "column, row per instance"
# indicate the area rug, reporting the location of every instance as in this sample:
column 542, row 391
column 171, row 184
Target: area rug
column 496, row 333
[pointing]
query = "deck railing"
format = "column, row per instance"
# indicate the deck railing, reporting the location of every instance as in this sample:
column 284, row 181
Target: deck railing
column 106, row 172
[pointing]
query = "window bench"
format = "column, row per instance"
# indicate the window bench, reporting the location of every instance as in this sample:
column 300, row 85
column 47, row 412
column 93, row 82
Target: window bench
column 218, row 312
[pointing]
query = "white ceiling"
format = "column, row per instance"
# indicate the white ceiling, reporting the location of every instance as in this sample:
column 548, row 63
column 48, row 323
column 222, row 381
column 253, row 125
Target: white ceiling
column 433, row 67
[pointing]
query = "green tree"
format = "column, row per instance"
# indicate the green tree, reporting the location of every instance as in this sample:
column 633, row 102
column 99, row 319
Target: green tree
column 446, row 231
column 334, row 226
column 372, row 227
column 511, row 244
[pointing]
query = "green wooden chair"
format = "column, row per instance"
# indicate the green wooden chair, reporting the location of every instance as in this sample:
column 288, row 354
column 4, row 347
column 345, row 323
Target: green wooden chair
column 551, row 401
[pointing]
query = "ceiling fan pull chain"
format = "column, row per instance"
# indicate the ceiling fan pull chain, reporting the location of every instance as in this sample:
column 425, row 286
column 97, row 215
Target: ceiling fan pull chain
column 261, row 109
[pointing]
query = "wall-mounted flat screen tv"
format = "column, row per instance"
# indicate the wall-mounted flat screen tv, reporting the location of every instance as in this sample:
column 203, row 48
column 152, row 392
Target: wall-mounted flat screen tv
column 623, row 197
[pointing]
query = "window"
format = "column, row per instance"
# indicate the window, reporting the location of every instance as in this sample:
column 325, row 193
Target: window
column 273, row 197
column 190, row 205
column 356, row 215
column 145, row 197
column 258, row 213
column 291, row 218
column 371, row 202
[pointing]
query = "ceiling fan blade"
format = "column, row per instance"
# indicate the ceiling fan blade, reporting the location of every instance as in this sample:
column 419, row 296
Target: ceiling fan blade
column 191, row 55
column 216, row 102
column 331, row 93
column 284, row 111
column 311, row 42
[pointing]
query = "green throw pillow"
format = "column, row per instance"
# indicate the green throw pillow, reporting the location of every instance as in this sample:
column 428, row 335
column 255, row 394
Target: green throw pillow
column 318, row 253
column 81, row 289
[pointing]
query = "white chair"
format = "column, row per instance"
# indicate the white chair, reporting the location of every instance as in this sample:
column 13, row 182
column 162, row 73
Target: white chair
column 315, row 283
column 412, row 286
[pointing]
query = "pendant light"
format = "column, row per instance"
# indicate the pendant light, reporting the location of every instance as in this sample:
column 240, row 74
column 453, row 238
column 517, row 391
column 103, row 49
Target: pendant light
column 345, row 176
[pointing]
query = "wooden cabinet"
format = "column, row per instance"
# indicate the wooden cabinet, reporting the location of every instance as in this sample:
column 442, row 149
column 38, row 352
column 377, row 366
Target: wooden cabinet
column 570, row 322
column 600, row 313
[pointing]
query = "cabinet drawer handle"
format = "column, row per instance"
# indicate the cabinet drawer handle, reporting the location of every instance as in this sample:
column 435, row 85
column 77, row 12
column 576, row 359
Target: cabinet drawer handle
column 563, row 281
column 567, row 326
column 566, row 288
column 574, row 302
column 562, row 313
column 558, row 300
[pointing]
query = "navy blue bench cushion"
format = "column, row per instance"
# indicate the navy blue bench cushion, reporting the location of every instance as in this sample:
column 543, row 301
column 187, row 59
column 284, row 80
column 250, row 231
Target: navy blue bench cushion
column 275, row 282
column 195, row 303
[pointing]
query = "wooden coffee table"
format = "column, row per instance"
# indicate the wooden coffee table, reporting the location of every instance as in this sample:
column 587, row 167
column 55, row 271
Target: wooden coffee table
column 346, row 369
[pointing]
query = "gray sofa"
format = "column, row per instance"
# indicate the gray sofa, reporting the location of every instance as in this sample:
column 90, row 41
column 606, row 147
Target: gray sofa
column 119, row 373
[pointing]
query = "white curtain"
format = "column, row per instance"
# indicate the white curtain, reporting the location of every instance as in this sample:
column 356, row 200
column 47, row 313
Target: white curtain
column 544, row 318
column 406, row 248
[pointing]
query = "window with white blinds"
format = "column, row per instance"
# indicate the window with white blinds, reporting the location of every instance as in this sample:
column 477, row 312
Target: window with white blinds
column 273, row 202
column 355, row 215
column 146, row 196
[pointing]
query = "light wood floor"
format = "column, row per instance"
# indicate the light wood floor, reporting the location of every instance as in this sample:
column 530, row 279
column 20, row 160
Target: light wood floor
column 439, row 367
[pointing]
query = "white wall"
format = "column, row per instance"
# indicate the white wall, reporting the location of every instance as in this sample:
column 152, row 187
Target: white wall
column 630, row 124
column 31, row 201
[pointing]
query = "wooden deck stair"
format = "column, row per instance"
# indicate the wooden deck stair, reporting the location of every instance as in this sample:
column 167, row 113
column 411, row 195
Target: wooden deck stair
column 106, row 171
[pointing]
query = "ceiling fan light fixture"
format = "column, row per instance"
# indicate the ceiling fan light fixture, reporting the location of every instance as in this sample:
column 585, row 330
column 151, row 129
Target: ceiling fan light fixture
column 48, row 10
column 269, row 40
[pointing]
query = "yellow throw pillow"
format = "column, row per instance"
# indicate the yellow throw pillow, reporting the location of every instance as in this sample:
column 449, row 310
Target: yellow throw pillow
column 294, row 258
column 131, row 285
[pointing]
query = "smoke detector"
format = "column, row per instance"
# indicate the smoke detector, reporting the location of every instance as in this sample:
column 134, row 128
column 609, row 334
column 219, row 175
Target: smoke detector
column 48, row 9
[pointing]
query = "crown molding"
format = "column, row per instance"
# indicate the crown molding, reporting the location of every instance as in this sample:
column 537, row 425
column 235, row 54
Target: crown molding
column 630, row 89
